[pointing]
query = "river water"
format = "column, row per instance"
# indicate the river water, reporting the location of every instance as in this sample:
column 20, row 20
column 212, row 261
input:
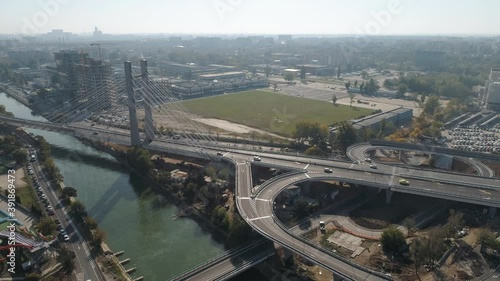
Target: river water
column 126, row 209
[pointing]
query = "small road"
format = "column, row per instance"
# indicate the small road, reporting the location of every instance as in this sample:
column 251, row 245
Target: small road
column 85, row 265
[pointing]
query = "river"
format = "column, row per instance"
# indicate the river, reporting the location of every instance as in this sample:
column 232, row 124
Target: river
column 125, row 208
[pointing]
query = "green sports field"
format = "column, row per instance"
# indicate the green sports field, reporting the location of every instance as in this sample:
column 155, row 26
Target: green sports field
column 272, row 112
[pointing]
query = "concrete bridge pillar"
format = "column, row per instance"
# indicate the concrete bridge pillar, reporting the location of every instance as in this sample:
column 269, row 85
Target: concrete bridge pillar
column 135, row 138
column 148, row 103
column 337, row 278
column 388, row 196
column 287, row 254
column 492, row 212
column 306, row 187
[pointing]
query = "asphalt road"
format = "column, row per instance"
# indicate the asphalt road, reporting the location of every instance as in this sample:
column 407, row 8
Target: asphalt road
column 85, row 266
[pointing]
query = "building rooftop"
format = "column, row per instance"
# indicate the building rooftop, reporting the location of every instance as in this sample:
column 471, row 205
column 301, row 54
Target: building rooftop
column 211, row 75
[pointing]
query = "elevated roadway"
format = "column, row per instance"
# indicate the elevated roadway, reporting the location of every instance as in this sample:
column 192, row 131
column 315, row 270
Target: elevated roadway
column 256, row 206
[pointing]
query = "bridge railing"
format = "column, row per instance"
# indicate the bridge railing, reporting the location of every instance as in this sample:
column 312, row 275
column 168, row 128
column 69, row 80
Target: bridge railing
column 209, row 263
column 276, row 178
column 436, row 149
column 330, row 252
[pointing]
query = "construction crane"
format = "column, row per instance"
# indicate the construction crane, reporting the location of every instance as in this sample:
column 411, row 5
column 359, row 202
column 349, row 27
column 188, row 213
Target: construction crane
column 98, row 44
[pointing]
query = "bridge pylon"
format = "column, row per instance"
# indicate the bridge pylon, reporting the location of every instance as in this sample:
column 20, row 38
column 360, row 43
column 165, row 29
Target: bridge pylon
column 135, row 138
column 148, row 104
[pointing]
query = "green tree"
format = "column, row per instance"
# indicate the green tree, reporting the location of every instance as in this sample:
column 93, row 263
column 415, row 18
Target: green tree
column 347, row 85
column 431, row 105
column 68, row 191
column 314, row 132
column 46, row 226
column 211, row 172
column 409, row 223
column 392, row 240
column 5, row 112
column 303, row 73
column 402, row 89
column 351, row 98
column 20, row 156
column 355, row 83
column 267, row 71
column 418, row 253
column 65, row 258
column 346, row 135
column 338, row 72
column 289, row 77
column 223, row 174
column 91, row 223
column 78, row 209
column 334, row 99
column 455, row 222
column 371, row 87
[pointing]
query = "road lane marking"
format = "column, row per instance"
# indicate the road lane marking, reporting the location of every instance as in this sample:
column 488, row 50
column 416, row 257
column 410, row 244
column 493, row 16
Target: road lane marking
column 485, row 192
column 259, row 218
column 244, row 198
column 260, row 199
column 308, row 176
column 306, row 166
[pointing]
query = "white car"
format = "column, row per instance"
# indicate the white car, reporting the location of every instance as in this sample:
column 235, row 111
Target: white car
column 256, row 158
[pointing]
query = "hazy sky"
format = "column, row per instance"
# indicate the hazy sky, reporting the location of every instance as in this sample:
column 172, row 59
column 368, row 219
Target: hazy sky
column 253, row 16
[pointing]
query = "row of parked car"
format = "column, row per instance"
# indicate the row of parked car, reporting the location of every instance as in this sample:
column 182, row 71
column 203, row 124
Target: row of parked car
column 474, row 139
column 43, row 198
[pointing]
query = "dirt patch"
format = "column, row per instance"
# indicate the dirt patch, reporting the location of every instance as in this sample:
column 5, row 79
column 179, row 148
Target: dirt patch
column 18, row 176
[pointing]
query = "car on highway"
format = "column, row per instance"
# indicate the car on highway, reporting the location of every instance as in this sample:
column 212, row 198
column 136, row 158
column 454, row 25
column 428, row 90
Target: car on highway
column 328, row 170
column 219, row 154
column 404, row 182
column 373, row 166
column 257, row 158
column 368, row 160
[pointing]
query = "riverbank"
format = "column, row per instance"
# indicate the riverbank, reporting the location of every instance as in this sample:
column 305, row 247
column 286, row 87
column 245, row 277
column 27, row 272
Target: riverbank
column 185, row 210
column 13, row 94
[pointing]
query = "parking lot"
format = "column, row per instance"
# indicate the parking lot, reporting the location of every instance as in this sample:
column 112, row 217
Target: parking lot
column 475, row 139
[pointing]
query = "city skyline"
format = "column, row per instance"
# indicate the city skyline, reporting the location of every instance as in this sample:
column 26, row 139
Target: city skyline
column 389, row 17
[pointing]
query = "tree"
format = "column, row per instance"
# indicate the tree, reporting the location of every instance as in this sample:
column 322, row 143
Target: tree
column 431, row 105
column 455, row 222
column 65, row 258
column 91, row 223
column 254, row 71
column 289, row 77
column 409, row 223
column 364, row 74
column 303, row 73
column 362, row 88
column 351, row 98
column 346, row 135
column 334, row 100
column 19, row 156
column 371, row 87
column 338, row 72
column 46, row 226
column 42, row 93
column 68, row 191
column 418, row 253
column 78, row 209
column 347, row 85
column 223, row 174
column 355, row 83
column 275, row 86
column 211, row 172
column 402, row 89
column 314, row 132
column 392, row 240
column 267, row 71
